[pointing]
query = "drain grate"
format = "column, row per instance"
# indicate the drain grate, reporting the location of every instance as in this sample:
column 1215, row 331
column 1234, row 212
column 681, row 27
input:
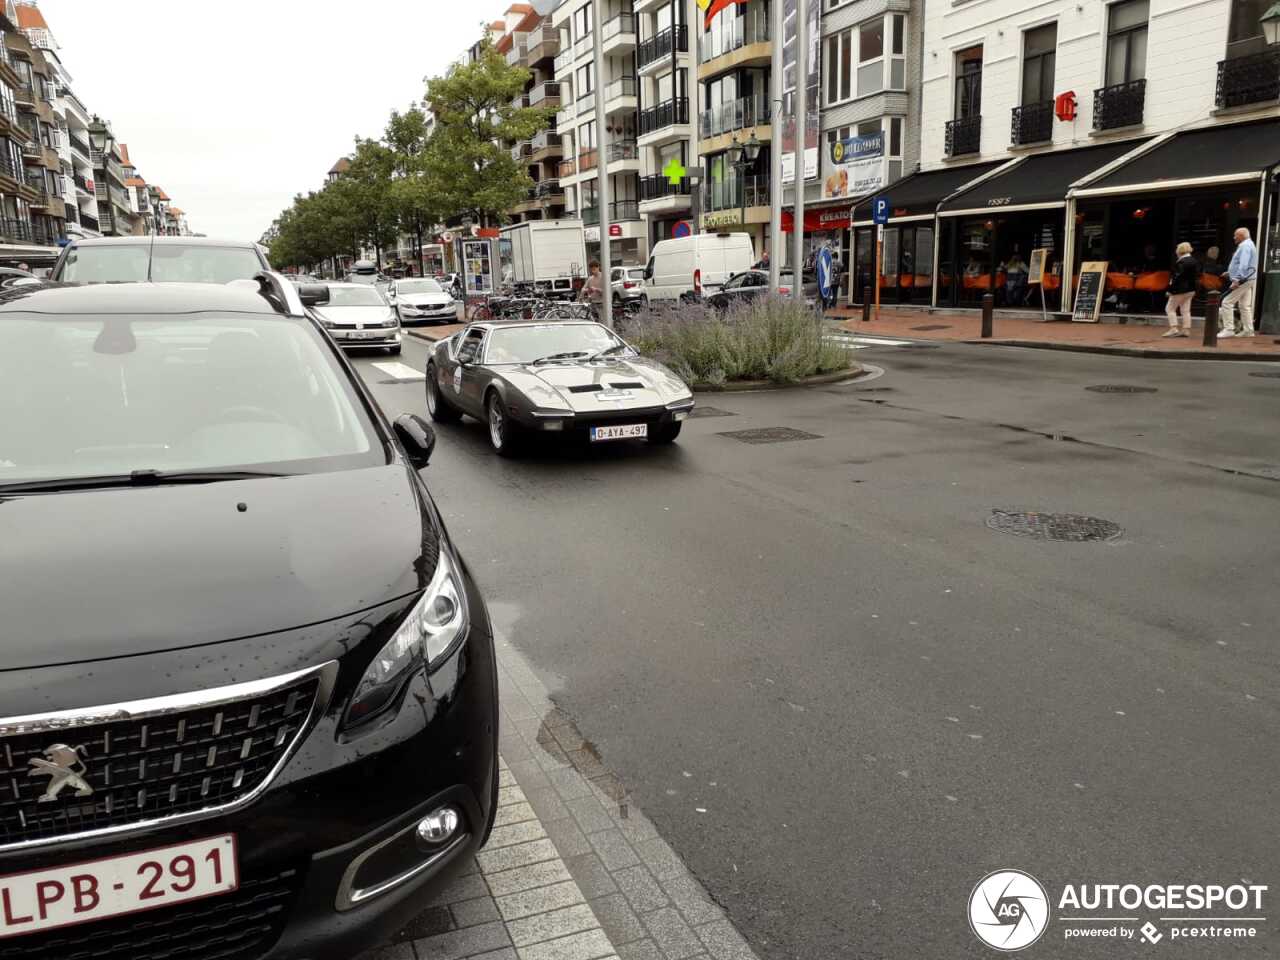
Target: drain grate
column 1055, row 527
column 770, row 435
column 710, row 412
column 1120, row 388
column 1275, row 374
column 934, row 326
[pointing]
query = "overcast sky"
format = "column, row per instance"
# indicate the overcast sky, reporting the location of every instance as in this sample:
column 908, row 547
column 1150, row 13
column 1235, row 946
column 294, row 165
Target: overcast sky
column 234, row 107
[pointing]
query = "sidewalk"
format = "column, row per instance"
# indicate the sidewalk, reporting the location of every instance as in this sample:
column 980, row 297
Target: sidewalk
column 1142, row 340
column 434, row 333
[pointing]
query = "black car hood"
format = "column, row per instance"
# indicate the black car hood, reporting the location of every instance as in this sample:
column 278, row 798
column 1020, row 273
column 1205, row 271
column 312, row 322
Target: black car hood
column 93, row 574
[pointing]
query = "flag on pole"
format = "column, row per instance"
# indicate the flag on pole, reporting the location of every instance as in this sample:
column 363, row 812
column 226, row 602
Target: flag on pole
column 711, row 7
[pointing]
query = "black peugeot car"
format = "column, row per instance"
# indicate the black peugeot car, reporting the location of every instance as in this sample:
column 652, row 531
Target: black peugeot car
column 248, row 700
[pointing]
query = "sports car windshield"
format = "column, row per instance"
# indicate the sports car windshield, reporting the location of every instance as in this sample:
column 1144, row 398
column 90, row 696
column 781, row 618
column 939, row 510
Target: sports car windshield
column 562, row 341
column 418, row 286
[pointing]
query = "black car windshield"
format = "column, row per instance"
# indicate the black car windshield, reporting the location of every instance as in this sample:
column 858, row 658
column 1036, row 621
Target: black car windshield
column 128, row 263
column 526, row 344
column 354, row 297
column 418, row 286
column 90, row 396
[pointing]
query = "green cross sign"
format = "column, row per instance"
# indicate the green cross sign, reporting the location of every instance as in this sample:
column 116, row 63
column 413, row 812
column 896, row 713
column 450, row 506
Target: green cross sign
column 674, row 171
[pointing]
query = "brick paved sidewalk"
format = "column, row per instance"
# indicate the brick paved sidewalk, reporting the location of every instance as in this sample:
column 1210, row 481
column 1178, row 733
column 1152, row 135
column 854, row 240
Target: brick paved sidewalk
column 573, row 871
column 1125, row 339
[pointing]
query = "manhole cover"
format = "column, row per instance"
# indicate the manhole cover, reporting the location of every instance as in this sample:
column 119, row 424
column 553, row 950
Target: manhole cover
column 1058, row 527
column 711, row 412
column 770, row 435
column 1120, row 388
column 934, row 326
column 1273, row 374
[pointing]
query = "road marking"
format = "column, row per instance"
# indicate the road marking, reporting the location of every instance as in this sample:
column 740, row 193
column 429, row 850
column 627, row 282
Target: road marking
column 869, row 341
column 400, row 371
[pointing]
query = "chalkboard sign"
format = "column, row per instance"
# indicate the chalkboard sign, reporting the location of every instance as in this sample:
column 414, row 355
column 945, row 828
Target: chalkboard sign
column 1036, row 273
column 1088, row 302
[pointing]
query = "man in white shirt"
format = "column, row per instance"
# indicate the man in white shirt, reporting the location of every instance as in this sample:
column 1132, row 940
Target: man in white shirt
column 1243, row 276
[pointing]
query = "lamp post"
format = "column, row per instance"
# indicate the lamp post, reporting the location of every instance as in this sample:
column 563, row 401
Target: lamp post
column 742, row 156
column 1271, row 24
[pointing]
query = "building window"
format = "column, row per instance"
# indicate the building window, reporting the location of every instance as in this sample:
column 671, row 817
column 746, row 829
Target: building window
column 583, row 83
column 671, row 86
column 858, row 64
column 1038, row 53
column 839, row 66
column 969, row 83
column 582, row 21
column 897, row 57
column 1244, row 33
column 871, row 57
column 1127, row 42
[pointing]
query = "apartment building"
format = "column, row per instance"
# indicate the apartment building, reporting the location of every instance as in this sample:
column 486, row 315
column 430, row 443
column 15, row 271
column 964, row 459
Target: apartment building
column 1052, row 128
column 37, row 214
column 734, row 119
column 581, row 165
column 116, row 217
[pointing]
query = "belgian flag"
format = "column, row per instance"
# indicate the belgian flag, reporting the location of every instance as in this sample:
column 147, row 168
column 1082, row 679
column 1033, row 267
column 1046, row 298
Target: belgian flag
column 712, row 7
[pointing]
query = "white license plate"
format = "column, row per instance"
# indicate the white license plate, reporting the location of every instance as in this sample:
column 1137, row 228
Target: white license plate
column 624, row 431
column 81, row 892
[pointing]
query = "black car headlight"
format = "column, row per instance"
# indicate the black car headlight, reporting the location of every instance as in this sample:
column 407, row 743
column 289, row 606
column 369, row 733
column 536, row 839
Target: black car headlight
column 425, row 638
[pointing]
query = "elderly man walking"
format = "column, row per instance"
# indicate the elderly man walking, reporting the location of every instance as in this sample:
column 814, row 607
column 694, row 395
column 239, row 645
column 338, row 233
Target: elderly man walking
column 1242, row 273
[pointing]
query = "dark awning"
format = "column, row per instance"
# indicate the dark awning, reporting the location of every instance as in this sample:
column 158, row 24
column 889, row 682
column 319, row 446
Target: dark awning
column 919, row 193
column 1040, row 180
column 1238, row 151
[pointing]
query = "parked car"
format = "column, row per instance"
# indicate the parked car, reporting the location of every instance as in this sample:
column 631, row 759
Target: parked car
column 267, row 725
column 752, row 284
column 355, row 315
column 422, row 300
column 530, row 379
column 693, row 267
column 158, row 259
column 365, row 272
column 303, row 278
column 628, row 288
column 10, row 275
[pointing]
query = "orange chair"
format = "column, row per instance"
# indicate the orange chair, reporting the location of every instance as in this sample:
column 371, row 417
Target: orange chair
column 1209, row 281
column 924, row 280
column 1119, row 281
column 1051, row 281
column 906, row 281
column 1155, row 282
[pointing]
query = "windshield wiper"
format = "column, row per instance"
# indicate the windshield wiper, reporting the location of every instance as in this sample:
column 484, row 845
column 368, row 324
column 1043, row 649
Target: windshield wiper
column 560, row 356
column 138, row 478
column 606, row 351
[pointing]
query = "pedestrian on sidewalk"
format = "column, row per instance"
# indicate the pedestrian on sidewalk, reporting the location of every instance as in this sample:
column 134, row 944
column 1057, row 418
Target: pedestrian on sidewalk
column 593, row 289
column 1242, row 274
column 1182, row 288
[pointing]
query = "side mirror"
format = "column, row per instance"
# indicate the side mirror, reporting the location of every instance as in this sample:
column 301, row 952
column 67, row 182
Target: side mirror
column 417, row 438
column 313, row 294
column 648, row 271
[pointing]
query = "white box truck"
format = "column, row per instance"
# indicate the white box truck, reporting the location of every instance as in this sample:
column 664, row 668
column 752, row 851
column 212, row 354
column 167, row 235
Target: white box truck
column 548, row 257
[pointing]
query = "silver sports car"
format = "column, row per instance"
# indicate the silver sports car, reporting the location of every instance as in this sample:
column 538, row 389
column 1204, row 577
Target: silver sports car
column 525, row 378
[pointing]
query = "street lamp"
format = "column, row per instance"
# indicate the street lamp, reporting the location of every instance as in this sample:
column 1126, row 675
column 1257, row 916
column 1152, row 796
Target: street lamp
column 742, row 156
column 1271, row 24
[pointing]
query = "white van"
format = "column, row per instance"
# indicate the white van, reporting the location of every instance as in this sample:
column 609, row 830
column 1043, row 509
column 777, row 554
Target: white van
column 696, row 266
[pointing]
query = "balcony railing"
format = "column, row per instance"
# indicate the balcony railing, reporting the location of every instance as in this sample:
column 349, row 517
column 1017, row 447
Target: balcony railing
column 519, row 52
column 565, row 116
column 90, row 222
column 24, row 93
column 1032, row 123
column 78, row 145
column 547, row 188
column 587, row 160
column 1119, row 105
column 619, row 210
column 590, row 215
column 520, row 102
column 543, row 42
column 663, row 44
column 734, row 32
column 586, row 102
column 656, row 187
column 734, row 115
column 566, row 168
column 621, row 25
column 521, row 150
column 665, row 114
column 7, row 111
column 545, row 140
column 583, row 44
column 546, row 94
column 82, row 183
column 620, row 150
column 13, row 229
column 732, row 193
column 40, row 186
column 564, row 60
column 624, row 86
column 1252, row 79
column 963, row 136
column 8, row 168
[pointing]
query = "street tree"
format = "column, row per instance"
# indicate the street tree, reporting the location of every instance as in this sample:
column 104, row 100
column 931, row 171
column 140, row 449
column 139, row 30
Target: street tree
column 415, row 196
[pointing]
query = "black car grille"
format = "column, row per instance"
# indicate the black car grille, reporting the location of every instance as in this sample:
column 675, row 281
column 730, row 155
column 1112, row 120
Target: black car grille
column 242, row 925
column 146, row 768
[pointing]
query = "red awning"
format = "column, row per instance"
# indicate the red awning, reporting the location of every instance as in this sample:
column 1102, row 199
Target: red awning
column 820, row 218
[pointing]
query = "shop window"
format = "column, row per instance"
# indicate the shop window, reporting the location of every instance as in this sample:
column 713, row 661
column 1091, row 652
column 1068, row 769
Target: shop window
column 1127, row 42
column 974, row 256
column 1039, row 48
column 968, row 102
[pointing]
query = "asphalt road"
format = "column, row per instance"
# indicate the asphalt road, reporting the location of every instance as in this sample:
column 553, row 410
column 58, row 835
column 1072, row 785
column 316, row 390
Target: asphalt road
column 877, row 699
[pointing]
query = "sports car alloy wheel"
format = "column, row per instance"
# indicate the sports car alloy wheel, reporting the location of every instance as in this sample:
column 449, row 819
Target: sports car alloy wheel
column 503, row 434
column 437, row 406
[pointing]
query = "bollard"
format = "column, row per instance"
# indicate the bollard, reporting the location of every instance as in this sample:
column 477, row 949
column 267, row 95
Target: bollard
column 866, row 301
column 988, row 305
column 1211, row 319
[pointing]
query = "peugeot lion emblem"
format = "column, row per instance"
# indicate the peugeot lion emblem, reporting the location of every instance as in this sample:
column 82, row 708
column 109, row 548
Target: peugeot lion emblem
column 64, row 768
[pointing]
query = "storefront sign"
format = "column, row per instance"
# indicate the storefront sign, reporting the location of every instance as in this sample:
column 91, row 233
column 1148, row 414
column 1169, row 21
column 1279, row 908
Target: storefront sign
column 615, row 229
column 854, row 166
column 725, row 218
column 828, row 218
column 1088, row 302
column 591, row 234
column 1064, row 106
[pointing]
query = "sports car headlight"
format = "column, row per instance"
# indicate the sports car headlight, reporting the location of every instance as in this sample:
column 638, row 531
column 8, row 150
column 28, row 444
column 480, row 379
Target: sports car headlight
column 432, row 630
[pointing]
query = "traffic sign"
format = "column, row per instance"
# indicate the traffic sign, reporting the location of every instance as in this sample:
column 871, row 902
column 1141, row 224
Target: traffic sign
column 682, row 229
column 881, row 210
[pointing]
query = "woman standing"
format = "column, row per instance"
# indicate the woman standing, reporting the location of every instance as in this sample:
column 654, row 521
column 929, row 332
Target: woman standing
column 1182, row 287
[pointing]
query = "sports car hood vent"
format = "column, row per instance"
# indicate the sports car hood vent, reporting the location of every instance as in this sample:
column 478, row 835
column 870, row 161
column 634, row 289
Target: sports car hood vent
column 585, row 388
